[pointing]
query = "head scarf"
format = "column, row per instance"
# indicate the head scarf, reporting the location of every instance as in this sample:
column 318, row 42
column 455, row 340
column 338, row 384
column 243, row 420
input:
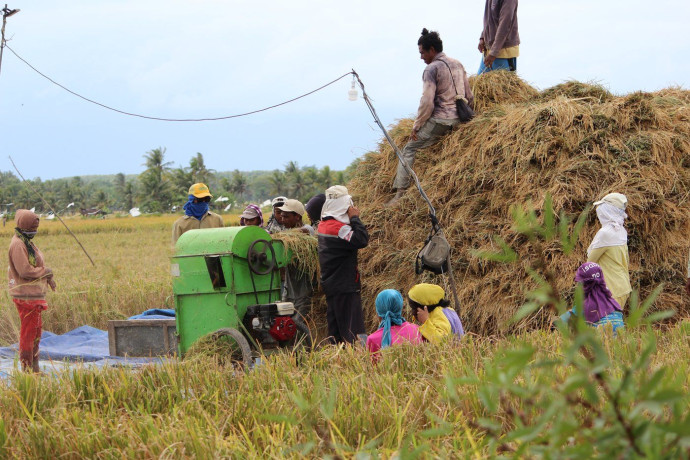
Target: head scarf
column 598, row 299
column 389, row 304
column 26, row 220
column 427, row 294
column 198, row 210
column 338, row 201
column 612, row 232
column 256, row 209
column 314, row 206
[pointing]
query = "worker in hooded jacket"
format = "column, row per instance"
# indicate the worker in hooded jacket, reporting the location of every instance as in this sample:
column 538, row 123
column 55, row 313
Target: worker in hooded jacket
column 341, row 235
column 29, row 279
column 609, row 248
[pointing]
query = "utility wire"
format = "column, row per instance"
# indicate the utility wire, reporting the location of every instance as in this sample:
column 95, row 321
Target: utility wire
column 171, row 119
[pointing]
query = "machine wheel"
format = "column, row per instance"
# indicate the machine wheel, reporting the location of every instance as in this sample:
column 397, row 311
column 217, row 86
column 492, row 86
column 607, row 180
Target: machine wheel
column 240, row 350
column 259, row 262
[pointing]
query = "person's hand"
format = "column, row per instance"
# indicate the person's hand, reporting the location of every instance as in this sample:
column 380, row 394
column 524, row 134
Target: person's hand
column 413, row 136
column 352, row 212
column 687, row 286
column 481, row 46
column 51, row 283
column 489, row 61
column 422, row 314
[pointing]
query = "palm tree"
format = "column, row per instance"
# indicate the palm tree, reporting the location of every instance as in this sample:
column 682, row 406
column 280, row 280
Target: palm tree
column 297, row 186
column 278, row 183
column 198, row 169
column 325, row 177
column 239, row 184
column 291, row 168
column 156, row 187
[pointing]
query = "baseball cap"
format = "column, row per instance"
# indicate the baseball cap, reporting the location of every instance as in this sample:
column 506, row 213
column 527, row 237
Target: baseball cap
column 293, row 206
column 199, row 190
column 250, row 213
column 614, row 199
column 279, row 200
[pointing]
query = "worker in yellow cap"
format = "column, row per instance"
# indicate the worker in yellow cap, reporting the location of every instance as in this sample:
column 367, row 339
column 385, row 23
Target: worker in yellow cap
column 196, row 212
column 430, row 307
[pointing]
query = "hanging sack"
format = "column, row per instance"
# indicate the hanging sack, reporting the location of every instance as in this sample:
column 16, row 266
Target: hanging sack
column 434, row 255
column 465, row 112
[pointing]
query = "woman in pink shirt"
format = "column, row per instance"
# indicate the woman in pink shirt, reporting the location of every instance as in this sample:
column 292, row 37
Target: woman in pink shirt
column 393, row 328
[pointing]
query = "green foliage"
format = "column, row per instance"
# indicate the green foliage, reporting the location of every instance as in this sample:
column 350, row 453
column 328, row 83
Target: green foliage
column 577, row 403
column 160, row 186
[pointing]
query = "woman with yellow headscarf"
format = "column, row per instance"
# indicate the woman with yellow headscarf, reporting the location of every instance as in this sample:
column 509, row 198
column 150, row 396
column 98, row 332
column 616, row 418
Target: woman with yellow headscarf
column 429, row 306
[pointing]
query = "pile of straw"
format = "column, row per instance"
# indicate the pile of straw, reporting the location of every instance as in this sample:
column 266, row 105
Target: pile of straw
column 575, row 141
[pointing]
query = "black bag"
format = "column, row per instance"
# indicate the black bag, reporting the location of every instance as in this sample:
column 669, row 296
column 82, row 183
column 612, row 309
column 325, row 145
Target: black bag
column 465, row 112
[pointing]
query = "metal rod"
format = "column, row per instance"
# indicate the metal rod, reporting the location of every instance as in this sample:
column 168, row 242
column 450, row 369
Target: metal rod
column 51, row 208
column 2, row 40
column 432, row 211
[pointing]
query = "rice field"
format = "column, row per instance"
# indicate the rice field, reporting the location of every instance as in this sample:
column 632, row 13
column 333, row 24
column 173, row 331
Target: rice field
column 468, row 400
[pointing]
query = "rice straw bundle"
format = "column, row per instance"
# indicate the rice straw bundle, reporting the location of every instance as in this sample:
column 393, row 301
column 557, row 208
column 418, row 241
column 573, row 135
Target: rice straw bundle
column 575, row 141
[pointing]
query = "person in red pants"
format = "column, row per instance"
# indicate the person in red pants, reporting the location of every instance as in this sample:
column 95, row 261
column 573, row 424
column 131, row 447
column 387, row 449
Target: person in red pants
column 29, row 279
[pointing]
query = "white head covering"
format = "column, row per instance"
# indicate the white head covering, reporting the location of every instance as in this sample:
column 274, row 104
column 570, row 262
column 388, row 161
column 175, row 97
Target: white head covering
column 338, row 201
column 612, row 232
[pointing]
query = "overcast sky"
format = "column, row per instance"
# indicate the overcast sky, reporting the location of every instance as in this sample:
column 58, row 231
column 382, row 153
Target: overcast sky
column 210, row 58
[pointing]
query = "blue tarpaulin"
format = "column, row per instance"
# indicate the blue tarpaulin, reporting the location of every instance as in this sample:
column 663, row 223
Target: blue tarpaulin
column 84, row 344
column 155, row 313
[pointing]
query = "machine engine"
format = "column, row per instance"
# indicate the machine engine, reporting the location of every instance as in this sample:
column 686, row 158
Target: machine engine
column 271, row 324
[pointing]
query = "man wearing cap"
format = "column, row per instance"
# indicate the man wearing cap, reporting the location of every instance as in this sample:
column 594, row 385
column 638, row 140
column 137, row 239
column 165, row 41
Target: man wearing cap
column 291, row 215
column 341, row 234
column 252, row 216
column 299, row 286
column 275, row 223
column 197, row 214
column 609, row 247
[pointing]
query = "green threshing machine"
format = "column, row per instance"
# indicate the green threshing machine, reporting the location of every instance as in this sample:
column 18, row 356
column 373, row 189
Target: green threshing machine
column 227, row 285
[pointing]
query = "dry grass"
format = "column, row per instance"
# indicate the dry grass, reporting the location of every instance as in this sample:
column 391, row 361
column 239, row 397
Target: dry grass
column 574, row 141
column 132, row 271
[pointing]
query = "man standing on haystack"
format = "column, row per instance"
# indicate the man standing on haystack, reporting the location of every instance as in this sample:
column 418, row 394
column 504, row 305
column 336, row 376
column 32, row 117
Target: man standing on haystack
column 341, row 235
column 500, row 41
column 196, row 212
column 444, row 80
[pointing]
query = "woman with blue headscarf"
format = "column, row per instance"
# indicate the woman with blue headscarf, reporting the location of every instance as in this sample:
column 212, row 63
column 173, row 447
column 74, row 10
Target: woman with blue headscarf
column 393, row 328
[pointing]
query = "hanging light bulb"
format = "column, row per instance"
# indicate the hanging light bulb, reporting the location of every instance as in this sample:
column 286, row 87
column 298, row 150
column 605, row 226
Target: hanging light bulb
column 352, row 95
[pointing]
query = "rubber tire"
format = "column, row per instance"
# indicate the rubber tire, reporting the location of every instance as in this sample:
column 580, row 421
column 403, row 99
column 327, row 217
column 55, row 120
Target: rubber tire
column 241, row 341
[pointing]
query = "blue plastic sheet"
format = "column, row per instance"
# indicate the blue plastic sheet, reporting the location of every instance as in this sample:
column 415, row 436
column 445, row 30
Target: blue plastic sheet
column 155, row 313
column 84, row 344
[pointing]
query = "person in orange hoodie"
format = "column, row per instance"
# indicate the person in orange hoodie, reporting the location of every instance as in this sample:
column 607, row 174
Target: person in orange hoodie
column 29, row 279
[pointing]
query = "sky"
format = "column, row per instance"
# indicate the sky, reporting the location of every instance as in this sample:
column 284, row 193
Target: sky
column 212, row 58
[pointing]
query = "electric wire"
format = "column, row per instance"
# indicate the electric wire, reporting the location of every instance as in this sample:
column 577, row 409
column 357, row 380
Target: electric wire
column 227, row 117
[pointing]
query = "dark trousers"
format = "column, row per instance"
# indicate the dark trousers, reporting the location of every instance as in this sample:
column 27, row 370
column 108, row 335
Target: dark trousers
column 345, row 317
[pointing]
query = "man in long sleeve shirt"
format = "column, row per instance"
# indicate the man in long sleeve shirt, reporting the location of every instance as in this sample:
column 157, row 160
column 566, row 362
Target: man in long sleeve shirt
column 444, row 80
column 341, row 235
column 500, row 41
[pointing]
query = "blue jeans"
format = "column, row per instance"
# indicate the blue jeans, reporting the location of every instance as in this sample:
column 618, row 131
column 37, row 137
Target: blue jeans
column 499, row 64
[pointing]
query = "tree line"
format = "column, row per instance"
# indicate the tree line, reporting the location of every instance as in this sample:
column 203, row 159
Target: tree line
column 161, row 187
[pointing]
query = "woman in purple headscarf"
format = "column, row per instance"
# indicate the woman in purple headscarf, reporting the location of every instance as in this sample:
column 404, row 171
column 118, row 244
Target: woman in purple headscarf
column 252, row 215
column 599, row 306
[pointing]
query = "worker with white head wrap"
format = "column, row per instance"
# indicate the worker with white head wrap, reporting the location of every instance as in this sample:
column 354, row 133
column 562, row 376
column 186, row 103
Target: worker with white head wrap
column 609, row 248
column 341, row 234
